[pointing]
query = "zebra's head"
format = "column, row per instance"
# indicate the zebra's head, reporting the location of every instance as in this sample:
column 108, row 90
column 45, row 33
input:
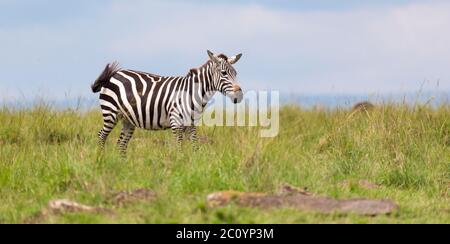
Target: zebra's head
column 224, row 76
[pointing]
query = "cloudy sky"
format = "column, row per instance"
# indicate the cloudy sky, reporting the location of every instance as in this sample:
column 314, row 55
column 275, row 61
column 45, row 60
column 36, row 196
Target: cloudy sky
column 51, row 48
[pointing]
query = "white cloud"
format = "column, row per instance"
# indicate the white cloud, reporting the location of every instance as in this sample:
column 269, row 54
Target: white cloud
column 373, row 49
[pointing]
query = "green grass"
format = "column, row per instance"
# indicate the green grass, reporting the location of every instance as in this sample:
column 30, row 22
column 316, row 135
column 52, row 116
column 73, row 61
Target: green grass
column 47, row 154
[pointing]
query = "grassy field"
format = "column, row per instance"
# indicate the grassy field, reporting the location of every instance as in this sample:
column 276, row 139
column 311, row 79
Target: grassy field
column 47, row 154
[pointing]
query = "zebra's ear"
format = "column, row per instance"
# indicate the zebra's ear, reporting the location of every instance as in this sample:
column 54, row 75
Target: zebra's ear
column 234, row 59
column 213, row 57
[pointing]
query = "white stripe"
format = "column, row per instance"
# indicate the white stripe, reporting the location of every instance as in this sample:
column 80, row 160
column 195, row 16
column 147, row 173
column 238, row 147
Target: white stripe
column 107, row 113
column 123, row 96
column 156, row 116
column 144, row 83
column 147, row 106
column 108, row 124
column 107, row 104
column 109, row 117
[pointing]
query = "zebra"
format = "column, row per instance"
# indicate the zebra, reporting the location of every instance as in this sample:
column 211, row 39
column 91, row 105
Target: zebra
column 153, row 102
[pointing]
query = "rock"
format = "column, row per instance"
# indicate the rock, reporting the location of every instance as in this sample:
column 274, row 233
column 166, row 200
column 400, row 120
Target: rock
column 68, row 206
column 222, row 198
column 302, row 200
column 62, row 206
column 288, row 189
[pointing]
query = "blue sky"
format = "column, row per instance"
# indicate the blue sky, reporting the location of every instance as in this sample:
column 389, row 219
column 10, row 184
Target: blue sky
column 55, row 48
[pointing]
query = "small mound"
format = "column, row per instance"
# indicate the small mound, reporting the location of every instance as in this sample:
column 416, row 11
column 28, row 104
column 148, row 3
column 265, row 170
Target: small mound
column 364, row 184
column 363, row 106
column 125, row 197
column 64, row 206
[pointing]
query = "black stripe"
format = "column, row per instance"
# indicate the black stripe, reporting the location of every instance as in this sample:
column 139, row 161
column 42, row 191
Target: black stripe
column 109, row 99
column 161, row 102
column 103, row 107
column 171, row 90
column 139, row 86
column 153, row 101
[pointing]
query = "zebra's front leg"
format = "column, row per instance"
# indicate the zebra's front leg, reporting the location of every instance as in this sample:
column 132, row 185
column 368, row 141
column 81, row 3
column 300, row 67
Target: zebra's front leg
column 125, row 137
column 178, row 133
column 193, row 137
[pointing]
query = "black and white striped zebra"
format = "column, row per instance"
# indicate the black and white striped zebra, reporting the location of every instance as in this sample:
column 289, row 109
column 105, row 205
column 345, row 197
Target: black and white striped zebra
column 153, row 102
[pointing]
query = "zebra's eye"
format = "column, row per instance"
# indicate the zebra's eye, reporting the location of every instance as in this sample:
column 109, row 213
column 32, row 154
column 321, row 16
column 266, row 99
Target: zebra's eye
column 224, row 73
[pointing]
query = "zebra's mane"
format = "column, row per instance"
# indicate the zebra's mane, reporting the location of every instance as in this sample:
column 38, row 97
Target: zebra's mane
column 223, row 56
column 196, row 70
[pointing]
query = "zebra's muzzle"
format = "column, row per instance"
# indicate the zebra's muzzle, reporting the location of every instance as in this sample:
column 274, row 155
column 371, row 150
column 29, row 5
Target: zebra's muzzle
column 236, row 97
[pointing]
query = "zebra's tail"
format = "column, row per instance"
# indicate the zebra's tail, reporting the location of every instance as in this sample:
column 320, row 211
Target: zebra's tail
column 109, row 71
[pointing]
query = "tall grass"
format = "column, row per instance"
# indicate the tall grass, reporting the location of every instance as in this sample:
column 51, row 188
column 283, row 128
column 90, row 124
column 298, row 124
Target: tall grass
column 50, row 154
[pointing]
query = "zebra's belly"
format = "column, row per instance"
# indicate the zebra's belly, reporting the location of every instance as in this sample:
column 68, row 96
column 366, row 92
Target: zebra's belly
column 147, row 120
column 162, row 125
column 156, row 121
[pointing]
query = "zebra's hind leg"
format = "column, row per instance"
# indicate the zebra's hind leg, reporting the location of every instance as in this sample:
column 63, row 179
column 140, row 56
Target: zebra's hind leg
column 125, row 137
column 193, row 137
column 109, row 122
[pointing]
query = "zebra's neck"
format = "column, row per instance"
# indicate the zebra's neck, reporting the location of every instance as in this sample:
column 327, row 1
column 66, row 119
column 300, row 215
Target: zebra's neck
column 202, row 80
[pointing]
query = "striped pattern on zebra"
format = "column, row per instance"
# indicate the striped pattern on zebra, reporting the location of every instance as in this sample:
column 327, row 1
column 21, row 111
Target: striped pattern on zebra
column 153, row 102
